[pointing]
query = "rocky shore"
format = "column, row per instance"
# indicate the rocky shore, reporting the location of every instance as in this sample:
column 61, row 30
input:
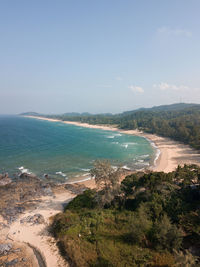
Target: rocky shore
column 26, row 205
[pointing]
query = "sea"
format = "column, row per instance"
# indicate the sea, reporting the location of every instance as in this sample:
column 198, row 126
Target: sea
column 66, row 152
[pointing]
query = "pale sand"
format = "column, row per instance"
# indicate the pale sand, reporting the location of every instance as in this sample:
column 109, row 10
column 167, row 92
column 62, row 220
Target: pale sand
column 172, row 153
column 37, row 235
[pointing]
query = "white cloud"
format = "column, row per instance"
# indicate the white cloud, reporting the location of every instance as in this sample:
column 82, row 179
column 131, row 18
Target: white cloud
column 118, row 78
column 166, row 86
column 136, row 89
column 176, row 31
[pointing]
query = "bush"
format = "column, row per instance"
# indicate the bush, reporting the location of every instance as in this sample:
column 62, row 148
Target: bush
column 85, row 200
column 166, row 235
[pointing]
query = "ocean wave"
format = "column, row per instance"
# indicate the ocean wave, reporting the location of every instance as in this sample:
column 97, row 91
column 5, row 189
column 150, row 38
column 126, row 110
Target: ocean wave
column 24, row 170
column 110, row 136
column 157, row 150
column 85, row 174
column 78, row 181
column 143, row 163
column 124, row 145
column 116, row 143
column 143, row 156
column 128, row 144
column 61, row 173
column 85, row 170
column 157, row 155
column 131, row 143
column 115, row 168
column 126, row 168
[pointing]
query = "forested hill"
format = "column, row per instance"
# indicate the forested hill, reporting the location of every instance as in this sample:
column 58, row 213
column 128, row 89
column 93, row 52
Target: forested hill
column 178, row 121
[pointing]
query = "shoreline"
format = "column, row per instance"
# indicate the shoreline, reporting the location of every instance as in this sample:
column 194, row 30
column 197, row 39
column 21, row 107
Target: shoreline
column 170, row 153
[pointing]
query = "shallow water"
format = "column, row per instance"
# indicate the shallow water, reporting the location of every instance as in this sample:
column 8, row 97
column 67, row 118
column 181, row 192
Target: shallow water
column 65, row 152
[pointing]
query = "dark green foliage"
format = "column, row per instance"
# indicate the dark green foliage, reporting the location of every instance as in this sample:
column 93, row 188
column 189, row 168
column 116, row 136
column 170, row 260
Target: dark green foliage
column 86, row 200
column 156, row 223
column 166, row 235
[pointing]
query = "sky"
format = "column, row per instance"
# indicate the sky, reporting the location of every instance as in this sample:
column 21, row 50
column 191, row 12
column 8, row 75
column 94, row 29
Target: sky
column 98, row 55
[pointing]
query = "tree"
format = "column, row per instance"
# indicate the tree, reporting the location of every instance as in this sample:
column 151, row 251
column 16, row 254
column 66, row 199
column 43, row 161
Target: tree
column 107, row 180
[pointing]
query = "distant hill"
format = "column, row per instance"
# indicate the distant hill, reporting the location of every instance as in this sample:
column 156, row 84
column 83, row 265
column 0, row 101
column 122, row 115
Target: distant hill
column 30, row 113
column 172, row 107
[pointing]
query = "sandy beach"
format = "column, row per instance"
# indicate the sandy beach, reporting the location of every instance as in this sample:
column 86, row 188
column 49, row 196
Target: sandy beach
column 171, row 153
column 36, row 236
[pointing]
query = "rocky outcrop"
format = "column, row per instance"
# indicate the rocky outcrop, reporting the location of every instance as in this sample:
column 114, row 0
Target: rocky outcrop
column 5, row 248
column 16, row 254
column 20, row 194
column 35, row 219
column 4, row 179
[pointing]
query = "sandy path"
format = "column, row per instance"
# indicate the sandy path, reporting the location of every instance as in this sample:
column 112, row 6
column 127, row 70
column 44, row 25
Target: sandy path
column 37, row 235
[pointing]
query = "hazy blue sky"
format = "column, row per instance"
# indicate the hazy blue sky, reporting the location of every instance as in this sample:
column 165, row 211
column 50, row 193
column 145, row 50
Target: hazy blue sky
column 98, row 55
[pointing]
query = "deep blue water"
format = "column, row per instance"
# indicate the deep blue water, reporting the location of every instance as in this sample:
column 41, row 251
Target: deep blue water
column 65, row 152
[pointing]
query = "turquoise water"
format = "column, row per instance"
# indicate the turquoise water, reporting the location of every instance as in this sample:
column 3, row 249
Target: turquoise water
column 65, row 152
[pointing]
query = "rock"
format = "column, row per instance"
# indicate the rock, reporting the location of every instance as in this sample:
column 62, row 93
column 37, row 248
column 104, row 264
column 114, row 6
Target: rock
column 16, row 250
column 47, row 190
column 3, row 226
column 75, row 188
column 5, row 181
column 20, row 194
column 12, row 263
column 27, row 175
column 4, row 175
column 5, row 248
column 35, row 219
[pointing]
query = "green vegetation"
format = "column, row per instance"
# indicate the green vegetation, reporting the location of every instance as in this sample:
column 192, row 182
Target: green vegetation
column 178, row 121
column 152, row 219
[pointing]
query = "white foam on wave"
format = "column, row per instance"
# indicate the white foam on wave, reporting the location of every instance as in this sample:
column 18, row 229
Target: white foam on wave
column 24, row 170
column 82, row 180
column 85, row 170
column 124, row 145
column 116, row 143
column 131, row 143
column 143, row 163
column 114, row 168
column 126, row 168
column 128, row 144
column 61, row 173
column 158, row 152
column 118, row 134
column 85, row 174
column 144, row 156
column 110, row 136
